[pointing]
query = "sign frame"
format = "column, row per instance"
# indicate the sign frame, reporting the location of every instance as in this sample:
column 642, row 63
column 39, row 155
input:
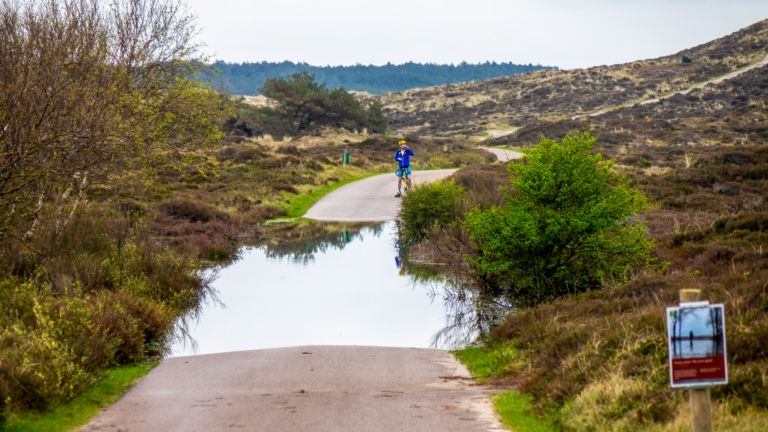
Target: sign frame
column 688, row 366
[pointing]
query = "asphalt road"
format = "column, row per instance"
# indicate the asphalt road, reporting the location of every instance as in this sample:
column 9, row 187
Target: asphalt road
column 373, row 199
column 505, row 155
column 314, row 388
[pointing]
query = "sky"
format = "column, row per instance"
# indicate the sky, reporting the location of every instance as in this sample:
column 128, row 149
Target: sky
column 564, row 33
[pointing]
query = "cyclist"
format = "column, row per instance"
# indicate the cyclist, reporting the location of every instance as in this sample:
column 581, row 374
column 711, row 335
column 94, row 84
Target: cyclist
column 403, row 158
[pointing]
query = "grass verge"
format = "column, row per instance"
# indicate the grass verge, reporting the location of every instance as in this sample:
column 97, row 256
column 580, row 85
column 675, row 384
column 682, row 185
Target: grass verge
column 299, row 205
column 497, row 361
column 514, row 409
column 81, row 409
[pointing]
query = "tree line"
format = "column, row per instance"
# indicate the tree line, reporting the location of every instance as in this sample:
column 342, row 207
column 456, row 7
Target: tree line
column 246, row 78
column 299, row 103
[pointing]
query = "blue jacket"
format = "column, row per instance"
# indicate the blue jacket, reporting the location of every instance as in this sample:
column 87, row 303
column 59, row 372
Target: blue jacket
column 406, row 158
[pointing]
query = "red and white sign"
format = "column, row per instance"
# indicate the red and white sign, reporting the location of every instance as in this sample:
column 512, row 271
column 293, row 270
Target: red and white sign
column 696, row 341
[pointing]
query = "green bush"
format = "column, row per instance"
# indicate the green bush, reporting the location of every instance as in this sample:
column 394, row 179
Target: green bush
column 437, row 204
column 566, row 229
column 54, row 347
column 687, row 59
column 439, row 162
column 101, row 296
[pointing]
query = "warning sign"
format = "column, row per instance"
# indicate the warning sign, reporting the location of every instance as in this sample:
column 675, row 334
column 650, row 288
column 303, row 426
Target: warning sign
column 696, row 341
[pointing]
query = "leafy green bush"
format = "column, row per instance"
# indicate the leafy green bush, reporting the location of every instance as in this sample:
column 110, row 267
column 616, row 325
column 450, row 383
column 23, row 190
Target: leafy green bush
column 437, row 204
column 61, row 343
column 439, row 162
column 566, row 229
column 101, row 296
column 687, row 59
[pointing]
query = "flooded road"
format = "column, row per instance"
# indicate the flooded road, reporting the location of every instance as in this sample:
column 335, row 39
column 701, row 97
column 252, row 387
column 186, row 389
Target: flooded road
column 338, row 286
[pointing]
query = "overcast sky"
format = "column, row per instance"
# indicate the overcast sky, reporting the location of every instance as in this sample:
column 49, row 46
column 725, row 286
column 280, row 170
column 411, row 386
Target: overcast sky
column 565, row 33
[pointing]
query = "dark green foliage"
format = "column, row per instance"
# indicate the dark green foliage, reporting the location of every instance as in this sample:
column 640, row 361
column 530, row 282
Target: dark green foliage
column 300, row 100
column 687, row 59
column 300, row 103
column 243, row 79
column 377, row 120
column 567, row 225
column 430, row 206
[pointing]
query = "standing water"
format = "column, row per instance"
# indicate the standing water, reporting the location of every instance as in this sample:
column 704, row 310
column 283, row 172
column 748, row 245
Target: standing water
column 333, row 288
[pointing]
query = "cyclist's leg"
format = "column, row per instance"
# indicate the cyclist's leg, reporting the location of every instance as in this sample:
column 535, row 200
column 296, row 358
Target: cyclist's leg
column 409, row 179
column 399, row 182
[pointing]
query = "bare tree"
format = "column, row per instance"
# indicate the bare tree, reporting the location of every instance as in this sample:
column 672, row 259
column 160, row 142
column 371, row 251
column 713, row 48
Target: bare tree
column 90, row 91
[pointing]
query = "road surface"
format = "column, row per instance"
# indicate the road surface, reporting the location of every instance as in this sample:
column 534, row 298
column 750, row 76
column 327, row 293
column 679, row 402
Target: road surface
column 373, row 199
column 505, row 155
column 313, row 388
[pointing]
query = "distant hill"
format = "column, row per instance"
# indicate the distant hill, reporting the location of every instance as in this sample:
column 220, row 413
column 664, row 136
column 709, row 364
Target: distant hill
column 246, row 78
column 471, row 109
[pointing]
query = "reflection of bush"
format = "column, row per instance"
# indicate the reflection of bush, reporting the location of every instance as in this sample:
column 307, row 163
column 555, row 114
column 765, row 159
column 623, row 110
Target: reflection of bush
column 301, row 241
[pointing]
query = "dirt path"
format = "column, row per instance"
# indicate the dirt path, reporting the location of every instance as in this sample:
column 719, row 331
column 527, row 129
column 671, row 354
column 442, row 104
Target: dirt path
column 733, row 74
column 314, row 388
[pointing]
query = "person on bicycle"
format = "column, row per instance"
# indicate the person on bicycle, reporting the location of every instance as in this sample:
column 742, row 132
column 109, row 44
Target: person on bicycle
column 403, row 158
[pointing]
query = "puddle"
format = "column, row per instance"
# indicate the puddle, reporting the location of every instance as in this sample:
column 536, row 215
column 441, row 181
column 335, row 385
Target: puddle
column 321, row 284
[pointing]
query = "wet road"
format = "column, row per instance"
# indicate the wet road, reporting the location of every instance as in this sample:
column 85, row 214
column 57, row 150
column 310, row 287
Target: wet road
column 313, row 388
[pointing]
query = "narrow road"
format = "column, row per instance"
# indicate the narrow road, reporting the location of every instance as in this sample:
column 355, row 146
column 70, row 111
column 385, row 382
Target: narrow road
column 505, row 155
column 317, row 388
column 373, row 199
column 313, row 388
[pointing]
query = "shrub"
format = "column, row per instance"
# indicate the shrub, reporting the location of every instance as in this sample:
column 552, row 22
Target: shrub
column 194, row 211
column 284, row 187
column 288, row 150
column 439, row 162
column 568, row 227
column 437, row 204
column 482, row 184
column 686, row 59
column 244, row 156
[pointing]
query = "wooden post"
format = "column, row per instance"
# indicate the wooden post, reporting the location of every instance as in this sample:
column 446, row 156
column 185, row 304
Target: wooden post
column 701, row 403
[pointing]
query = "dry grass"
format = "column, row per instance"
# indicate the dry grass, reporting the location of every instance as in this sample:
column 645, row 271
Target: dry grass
column 464, row 109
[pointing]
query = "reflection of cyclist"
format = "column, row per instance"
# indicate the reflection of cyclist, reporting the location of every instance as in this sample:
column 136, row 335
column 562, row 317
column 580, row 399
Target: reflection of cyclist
column 403, row 158
column 399, row 259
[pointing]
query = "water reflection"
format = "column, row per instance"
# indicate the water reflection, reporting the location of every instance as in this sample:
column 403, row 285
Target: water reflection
column 300, row 242
column 317, row 284
column 473, row 304
column 468, row 313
